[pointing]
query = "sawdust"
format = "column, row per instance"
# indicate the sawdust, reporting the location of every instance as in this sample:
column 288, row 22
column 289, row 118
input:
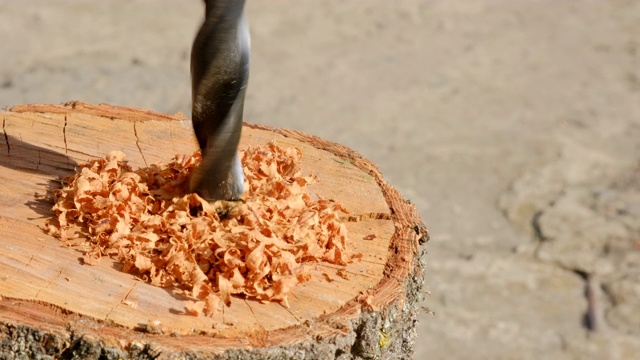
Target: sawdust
column 259, row 248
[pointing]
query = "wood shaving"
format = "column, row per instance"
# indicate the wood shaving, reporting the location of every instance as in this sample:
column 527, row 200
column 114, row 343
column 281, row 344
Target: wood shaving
column 343, row 274
column 327, row 276
column 146, row 220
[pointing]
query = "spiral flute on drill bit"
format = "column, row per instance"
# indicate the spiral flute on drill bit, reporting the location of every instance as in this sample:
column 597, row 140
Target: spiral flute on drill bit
column 219, row 75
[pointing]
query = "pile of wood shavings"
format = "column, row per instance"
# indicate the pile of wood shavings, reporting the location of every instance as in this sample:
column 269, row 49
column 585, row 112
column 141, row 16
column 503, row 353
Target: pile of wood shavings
column 146, row 221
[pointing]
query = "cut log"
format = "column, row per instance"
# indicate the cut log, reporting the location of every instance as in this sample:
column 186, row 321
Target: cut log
column 53, row 306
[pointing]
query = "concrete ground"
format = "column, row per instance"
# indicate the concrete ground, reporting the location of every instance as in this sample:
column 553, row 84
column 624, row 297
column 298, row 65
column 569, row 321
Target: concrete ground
column 513, row 125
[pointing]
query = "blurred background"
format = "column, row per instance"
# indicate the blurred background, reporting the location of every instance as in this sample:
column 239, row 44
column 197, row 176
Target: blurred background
column 513, row 125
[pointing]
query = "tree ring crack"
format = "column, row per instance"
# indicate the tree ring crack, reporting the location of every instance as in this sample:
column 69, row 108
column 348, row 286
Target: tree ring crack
column 124, row 298
column 64, row 135
column 135, row 132
column 49, row 283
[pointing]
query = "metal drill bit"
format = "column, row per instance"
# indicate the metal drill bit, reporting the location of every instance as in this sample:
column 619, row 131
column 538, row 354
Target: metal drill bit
column 219, row 75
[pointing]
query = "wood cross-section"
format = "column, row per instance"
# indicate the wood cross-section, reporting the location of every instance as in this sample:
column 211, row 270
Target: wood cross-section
column 45, row 286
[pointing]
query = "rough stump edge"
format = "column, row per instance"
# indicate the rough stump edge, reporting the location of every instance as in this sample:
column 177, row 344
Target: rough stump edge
column 378, row 324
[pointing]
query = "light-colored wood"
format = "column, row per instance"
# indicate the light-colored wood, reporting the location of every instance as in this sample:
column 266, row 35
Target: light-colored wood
column 44, row 284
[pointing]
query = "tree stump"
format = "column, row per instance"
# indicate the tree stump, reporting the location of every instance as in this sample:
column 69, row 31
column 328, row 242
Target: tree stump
column 52, row 306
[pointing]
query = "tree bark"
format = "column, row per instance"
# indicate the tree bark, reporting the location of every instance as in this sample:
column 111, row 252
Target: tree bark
column 52, row 306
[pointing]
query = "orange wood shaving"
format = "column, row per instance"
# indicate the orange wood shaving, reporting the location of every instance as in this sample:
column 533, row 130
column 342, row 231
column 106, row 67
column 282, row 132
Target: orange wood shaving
column 343, row 274
column 146, row 220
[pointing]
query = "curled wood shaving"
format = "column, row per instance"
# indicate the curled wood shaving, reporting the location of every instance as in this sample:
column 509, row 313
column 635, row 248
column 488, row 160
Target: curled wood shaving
column 146, row 220
column 343, row 274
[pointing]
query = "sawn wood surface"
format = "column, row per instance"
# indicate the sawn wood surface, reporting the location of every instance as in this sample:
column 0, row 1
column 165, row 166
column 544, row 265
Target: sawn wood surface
column 45, row 285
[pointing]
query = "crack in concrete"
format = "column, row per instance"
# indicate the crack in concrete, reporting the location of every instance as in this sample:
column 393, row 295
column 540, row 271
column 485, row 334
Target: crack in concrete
column 6, row 137
column 135, row 132
column 591, row 315
column 537, row 228
column 590, row 319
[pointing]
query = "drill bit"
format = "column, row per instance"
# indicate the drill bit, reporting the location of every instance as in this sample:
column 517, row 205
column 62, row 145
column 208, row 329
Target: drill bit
column 219, row 75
